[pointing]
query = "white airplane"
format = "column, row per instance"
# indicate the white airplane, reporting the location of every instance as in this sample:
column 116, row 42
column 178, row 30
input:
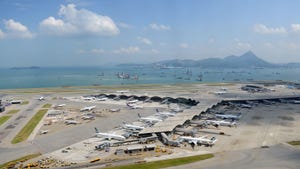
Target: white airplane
column 149, row 119
column 134, row 106
column 44, row 131
column 220, row 92
column 199, row 140
column 229, row 116
column 71, row 122
column 164, row 114
column 295, row 101
column 89, row 98
column 132, row 127
column 218, row 123
column 102, row 99
column 123, row 91
column 109, row 136
column 41, row 98
column 248, row 106
column 87, row 117
column 114, row 110
column 132, row 101
column 61, row 105
column 89, row 108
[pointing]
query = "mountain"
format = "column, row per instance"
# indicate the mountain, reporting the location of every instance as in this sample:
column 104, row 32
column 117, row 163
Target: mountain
column 247, row 60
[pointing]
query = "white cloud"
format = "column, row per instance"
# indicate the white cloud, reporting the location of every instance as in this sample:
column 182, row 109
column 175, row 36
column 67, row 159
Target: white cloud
column 92, row 51
column 16, row 30
column 295, row 27
column 77, row 22
column 129, row 50
column 268, row 45
column 211, row 40
column 241, row 45
column 155, row 51
column 244, row 45
column 263, row 29
column 184, row 45
column 124, row 25
column 144, row 40
column 159, row 27
column 1, row 34
column 97, row 51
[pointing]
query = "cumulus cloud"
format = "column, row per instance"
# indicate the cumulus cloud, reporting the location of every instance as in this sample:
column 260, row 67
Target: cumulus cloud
column 77, row 22
column 184, row 45
column 155, row 51
column 263, row 29
column 1, row 34
column 16, row 30
column 159, row 27
column 95, row 51
column 144, row 40
column 129, row 50
column 244, row 45
column 295, row 27
column 124, row 25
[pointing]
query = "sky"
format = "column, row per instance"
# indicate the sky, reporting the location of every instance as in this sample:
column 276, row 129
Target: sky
column 107, row 32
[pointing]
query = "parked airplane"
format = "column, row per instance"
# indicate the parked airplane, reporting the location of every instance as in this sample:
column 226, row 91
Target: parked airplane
column 229, row 116
column 132, row 101
column 89, row 108
column 109, row 136
column 132, row 127
column 89, row 98
column 102, row 99
column 123, row 91
column 114, row 110
column 220, row 92
column 88, row 117
column 71, row 122
column 164, row 114
column 149, row 119
column 199, row 140
column 134, row 106
column 61, row 105
column 218, row 123
column 295, row 101
column 246, row 106
column 44, row 131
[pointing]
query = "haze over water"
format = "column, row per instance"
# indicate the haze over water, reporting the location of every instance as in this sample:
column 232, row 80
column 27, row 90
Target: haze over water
column 87, row 76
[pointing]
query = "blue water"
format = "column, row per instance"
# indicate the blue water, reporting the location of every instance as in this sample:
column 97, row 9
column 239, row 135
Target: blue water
column 86, row 76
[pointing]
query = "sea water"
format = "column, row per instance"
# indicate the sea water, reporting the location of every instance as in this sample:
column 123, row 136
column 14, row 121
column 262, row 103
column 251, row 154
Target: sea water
column 87, row 76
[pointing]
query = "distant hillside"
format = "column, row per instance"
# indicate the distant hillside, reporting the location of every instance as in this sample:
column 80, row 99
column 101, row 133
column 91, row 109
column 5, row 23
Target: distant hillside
column 246, row 60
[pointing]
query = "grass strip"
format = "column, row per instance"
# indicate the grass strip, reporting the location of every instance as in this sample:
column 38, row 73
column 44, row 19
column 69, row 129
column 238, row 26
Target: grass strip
column 3, row 119
column 294, row 143
column 47, row 106
column 13, row 111
column 29, row 127
column 165, row 163
column 12, row 163
column 24, row 102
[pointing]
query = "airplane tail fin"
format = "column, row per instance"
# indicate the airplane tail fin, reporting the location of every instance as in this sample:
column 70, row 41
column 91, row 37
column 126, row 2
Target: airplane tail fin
column 96, row 130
